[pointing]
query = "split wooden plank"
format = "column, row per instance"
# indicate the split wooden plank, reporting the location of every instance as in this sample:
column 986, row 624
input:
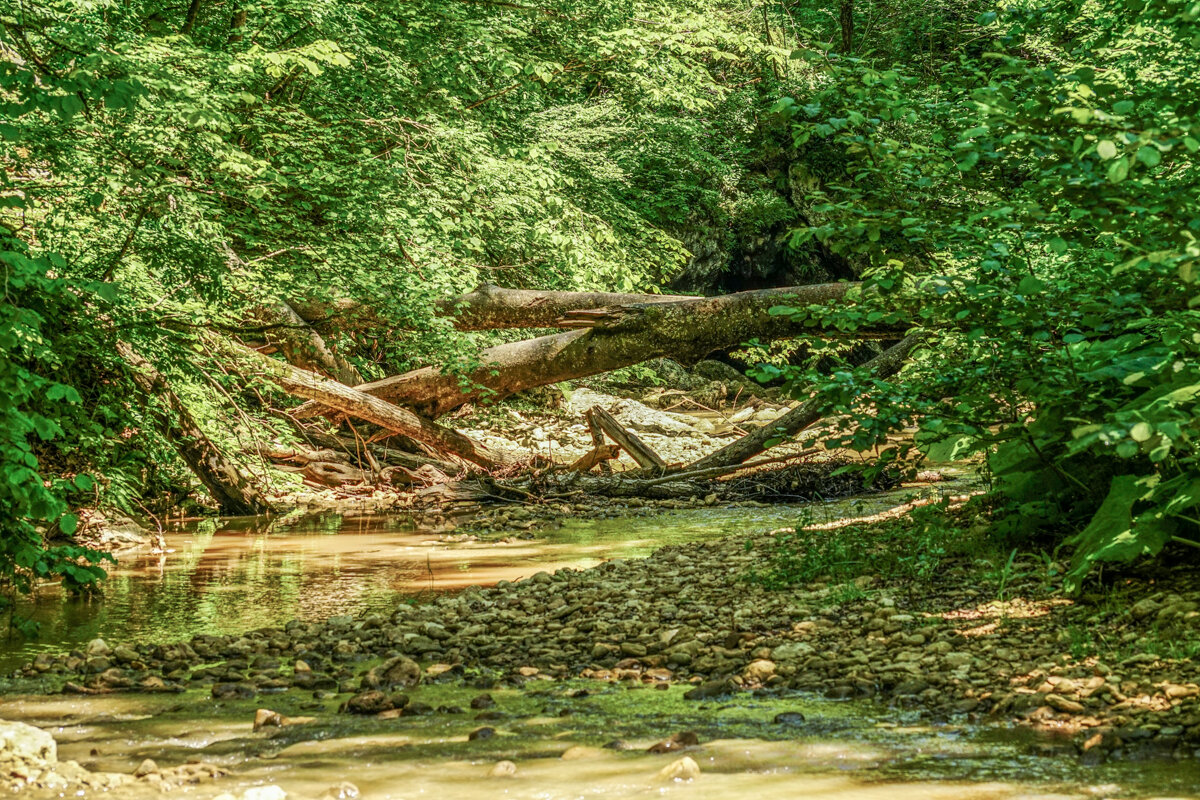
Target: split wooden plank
column 628, row 440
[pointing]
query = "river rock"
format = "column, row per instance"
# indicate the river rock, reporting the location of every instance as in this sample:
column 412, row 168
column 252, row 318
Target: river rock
column 759, row 671
column 710, row 689
column 677, row 741
column 147, row 767
column 503, row 769
column 25, row 751
column 233, row 691
column 684, row 769
column 400, row 671
column 341, row 791
column 793, row 718
column 482, row 701
column 1060, row 703
column 481, row 733
column 98, row 648
column 266, row 718
column 792, row 651
column 369, row 702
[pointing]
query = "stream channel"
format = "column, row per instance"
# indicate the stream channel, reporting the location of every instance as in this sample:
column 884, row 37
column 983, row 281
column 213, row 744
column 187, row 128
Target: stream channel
column 242, row 576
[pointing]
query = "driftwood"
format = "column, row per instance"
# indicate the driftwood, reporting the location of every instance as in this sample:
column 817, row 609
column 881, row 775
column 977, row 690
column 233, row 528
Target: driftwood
column 367, row 407
column 686, row 331
column 597, row 456
column 884, row 365
column 234, row 492
column 361, row 452
column 641, row 452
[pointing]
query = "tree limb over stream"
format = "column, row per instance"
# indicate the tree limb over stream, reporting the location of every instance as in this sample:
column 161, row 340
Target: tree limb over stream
column 685, row 330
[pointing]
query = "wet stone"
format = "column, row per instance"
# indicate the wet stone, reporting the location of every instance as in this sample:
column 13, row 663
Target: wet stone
column 233, row 691
column 369, row 702
column 677, row 741
column 481, row 733
column 790, row 718
column 710, row 689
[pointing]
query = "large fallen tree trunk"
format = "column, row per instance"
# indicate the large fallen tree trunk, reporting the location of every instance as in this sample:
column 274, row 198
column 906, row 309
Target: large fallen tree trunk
column 685, row 330
column 367, row 407
column 233, row 491
column 808, row 413
column 491, row 307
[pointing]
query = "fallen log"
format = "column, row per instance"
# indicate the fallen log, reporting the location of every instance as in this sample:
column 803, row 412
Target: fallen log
column 597, row 456
column 233, row 491
column 492, row 307
column 367, row 407
column 808, row 413
column 302, row 346
column 645, row 457
column 686, row 331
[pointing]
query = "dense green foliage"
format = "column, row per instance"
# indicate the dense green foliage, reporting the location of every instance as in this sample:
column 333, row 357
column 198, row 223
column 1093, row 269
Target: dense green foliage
column 1020, row 181
column 1035, row 201
column 177, row 167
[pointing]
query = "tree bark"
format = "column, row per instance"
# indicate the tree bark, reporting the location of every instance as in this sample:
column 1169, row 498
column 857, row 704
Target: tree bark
column 884, row 365
column 302, row 346
column 233, row 491
column 491, row 307
column 684, row 330
column 367, row 407
column 846, row 23
column 629, row 441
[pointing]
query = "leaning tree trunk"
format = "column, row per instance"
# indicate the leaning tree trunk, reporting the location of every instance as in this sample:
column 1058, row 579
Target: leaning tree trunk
column 233, row 491
column 808, row 413
column 302, row 346
column 364, row 406
column 684, row 330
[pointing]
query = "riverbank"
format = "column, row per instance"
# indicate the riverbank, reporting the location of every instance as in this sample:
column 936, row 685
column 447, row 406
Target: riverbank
column 883, row 610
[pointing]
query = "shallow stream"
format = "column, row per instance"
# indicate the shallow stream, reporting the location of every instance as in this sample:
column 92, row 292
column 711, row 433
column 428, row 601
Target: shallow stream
column 243, row 577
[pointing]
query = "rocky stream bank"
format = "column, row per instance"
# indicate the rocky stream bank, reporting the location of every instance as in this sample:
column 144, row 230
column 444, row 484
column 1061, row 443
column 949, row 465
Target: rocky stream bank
column 1108, row 676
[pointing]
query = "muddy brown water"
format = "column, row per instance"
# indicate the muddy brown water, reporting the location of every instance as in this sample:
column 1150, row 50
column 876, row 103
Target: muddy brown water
column 242, row 577
column 251, row 574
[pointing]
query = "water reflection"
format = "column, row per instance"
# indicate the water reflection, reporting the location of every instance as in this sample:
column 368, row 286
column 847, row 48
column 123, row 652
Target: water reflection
column 254, row 573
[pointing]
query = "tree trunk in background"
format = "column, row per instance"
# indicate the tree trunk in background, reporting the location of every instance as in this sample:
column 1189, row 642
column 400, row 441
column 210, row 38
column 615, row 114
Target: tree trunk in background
column 884, row 365
column 302, row 346
column 236, row 23
column 685, row 330
column 233, row 491
column 364, row 406
column 846, row 20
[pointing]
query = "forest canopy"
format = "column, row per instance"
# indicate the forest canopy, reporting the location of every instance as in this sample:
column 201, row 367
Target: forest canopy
column 1016, row 182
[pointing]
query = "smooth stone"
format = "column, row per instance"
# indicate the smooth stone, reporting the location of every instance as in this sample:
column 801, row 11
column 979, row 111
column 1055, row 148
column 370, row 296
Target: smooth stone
column 677, row 741
column 481, row 733
column 684, row 769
